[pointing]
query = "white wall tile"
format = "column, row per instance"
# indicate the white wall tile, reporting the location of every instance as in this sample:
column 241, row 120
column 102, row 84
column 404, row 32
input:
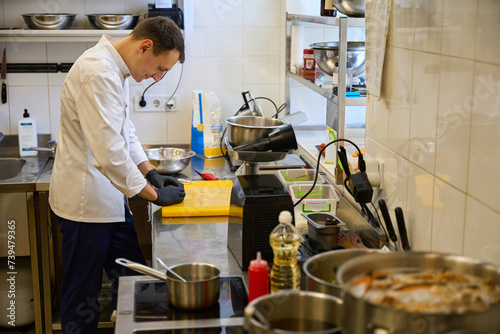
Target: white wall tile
column 5, row 117
column 104, row 7
column 269, row 91
column 378, row 118
column 2, row 14
column 482, row 232
column 35, row 99
column 193, row 71
column 484, row 159
column 261, row 41
column 261, row 70
column 56, row 79
column 223, row 70
column 402, row 24
column 55, row 109
column 303, row 7
column 424, row 109
column 21, row 52
column 224, row 13
column 74, row 7
column 223, row 42
column 452, row 142
column 448, row 219
column 26, row 79
column 195, row 43
column 397, row 91
column 459, row 22
column 488, row 25
column 16, row 8
column 429, row 14
column 309, row 102
column 64, row 52
column 419, row 208
column 199, row 13
column 261, row 13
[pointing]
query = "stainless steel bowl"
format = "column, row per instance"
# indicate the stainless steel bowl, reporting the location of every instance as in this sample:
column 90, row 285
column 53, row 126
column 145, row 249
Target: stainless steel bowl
column 169, row 160
column 353, row 8
column 321, row 269
column 113, row 21
column 327, row 53
column 291, row 312
column 55, row 21
column 250, row 129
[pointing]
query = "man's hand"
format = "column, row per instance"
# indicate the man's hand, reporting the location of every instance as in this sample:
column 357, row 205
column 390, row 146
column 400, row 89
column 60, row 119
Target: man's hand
column 160, row 181
column 169, row 195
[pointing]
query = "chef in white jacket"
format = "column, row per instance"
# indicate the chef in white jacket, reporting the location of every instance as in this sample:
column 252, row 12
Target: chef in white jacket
column 100, row 163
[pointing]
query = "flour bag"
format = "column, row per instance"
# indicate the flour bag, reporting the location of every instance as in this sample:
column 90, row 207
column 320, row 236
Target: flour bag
column 206, row 126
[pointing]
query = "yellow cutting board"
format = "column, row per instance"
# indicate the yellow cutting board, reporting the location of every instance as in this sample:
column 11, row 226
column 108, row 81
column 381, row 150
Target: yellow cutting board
column 203, row 198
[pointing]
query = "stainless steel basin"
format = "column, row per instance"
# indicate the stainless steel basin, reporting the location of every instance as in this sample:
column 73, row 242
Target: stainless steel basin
column 10, row 167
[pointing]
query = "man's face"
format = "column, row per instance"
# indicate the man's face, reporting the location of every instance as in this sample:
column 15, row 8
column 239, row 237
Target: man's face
column 151, row 66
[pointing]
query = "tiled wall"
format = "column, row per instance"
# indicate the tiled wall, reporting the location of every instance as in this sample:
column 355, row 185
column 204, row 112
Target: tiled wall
column 233, row 46
column 438, row 126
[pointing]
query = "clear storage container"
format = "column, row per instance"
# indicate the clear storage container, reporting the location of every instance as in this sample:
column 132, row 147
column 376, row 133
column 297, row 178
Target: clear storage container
column 323, row 198
column 298, row 176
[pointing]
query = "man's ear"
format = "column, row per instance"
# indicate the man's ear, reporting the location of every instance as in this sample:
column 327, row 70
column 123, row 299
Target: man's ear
column 146, row 46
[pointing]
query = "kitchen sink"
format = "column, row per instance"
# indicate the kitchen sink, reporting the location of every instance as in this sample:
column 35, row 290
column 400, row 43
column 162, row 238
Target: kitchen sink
column 10, row 167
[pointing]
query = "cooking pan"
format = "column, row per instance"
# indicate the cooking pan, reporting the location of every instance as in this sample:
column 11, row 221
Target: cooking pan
column 200, row 290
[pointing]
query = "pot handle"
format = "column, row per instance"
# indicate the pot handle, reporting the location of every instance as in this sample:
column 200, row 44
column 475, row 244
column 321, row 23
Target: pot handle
column 141, row 268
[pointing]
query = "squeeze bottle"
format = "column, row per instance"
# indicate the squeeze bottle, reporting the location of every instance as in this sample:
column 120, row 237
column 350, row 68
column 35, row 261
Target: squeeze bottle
column 258, row 278
column 285, row 241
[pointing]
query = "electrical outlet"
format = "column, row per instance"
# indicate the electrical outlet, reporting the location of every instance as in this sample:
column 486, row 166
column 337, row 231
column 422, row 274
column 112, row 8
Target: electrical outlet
column 156, row 103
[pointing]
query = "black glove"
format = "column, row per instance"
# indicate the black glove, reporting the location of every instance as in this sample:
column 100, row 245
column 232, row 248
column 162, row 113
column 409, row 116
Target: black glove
column 169, row 195
column 160, row 181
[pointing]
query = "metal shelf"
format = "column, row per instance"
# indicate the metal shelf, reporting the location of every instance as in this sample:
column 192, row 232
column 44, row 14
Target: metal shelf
column 349, row 101
column 332, row 21
column 69, row 35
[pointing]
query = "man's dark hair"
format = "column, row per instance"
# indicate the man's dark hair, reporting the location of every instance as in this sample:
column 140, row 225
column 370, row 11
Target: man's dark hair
column 164, row 33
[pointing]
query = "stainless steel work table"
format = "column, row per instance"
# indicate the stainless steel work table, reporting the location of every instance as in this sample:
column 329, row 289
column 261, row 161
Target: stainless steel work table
column 175, row 241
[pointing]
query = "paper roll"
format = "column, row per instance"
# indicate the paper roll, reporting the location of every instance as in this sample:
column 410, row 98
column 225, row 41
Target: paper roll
column 296, row 48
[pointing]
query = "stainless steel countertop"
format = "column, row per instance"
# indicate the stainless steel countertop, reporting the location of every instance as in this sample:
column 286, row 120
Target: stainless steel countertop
column 27, row 179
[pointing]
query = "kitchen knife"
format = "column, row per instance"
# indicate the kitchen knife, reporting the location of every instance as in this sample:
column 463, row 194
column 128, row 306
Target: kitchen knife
column 387, row 219
column 206, row 176
column 4, row 77
column 402, row 229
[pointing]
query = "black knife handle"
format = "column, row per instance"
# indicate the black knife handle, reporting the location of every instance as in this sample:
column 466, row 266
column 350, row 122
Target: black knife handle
column 402, row 229
column 4, row 92
column 387, row 218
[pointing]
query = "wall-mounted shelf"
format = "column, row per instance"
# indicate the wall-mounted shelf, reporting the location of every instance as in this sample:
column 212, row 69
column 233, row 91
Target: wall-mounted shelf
column 349, row 101
column 331, row 21
column 69, row 35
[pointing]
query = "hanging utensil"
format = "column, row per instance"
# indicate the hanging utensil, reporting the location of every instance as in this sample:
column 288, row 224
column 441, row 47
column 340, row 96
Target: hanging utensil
column 4, row 77
column 402, row 229
column 169, row 270
column 388, row 222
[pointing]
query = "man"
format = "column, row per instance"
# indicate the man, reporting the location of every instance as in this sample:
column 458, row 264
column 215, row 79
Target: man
column 100, row 163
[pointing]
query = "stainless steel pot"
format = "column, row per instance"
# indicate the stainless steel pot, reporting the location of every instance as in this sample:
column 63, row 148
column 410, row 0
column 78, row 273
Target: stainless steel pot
column 288, row 312
column 370, row 318
column 52, row 147
column 321, row 269
column 200, row 290
column 250, row 129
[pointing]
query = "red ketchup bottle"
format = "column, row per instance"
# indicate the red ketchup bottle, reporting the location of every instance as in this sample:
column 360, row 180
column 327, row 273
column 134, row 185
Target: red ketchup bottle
column 258, row 278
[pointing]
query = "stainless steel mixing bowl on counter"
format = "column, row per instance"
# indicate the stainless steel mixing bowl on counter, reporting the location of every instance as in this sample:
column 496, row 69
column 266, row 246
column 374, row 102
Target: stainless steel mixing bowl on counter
column 169, row 160
column 327, row 53
column 385, row 315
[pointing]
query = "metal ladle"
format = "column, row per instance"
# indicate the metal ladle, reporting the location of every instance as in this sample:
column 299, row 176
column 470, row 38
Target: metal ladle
column 170, row 270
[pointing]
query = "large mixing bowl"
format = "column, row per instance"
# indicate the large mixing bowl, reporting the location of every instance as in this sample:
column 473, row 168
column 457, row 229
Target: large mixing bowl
column 55, row 21
column 321, row 269
column 250, row 129
column 327, row 53
column 113, row 21
column 169, row 160
column 353, row 8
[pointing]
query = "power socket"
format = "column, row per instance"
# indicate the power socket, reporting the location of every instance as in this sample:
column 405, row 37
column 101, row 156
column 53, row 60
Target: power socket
column 156, row 103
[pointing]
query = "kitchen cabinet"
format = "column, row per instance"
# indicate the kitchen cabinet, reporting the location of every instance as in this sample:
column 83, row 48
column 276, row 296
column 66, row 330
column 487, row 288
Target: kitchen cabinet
column 336, row 104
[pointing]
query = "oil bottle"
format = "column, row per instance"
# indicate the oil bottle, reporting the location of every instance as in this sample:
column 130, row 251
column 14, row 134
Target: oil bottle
column 285, row 241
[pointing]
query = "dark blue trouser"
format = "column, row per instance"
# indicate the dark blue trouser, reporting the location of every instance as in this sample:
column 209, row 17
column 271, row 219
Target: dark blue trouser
column 87, row 249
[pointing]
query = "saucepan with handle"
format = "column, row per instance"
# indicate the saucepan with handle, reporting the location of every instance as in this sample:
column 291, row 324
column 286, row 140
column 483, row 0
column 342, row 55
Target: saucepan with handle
column 201, row 289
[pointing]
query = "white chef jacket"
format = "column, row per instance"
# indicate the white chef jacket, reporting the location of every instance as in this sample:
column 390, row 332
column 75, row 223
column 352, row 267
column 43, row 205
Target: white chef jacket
column 97, row 152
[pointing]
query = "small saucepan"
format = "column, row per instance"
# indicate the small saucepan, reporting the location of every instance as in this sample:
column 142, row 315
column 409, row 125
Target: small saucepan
column 200, row 290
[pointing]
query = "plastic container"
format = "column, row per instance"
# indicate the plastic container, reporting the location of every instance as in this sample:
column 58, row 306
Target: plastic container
column 323, row 198
column 258, row 278
column 298, row 176
column 27, row 135
column 330, row 150
column 285, row 241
